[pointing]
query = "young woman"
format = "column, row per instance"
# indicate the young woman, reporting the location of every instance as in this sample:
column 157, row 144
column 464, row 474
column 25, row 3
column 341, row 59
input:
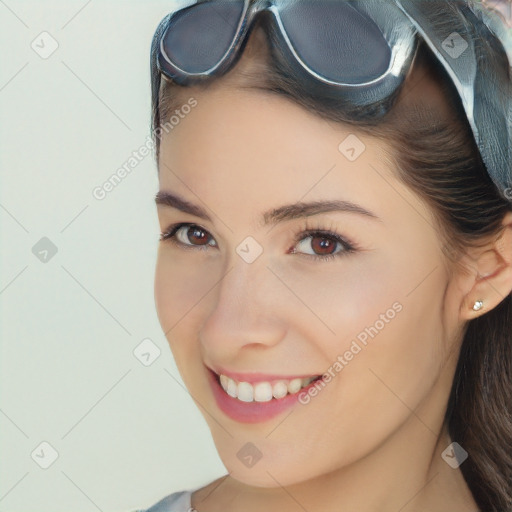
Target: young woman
column 335, row 268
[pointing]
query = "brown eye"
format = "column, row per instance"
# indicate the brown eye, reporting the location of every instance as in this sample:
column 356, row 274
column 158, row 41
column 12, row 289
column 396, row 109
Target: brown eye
column 192, row 235
column 323, row 245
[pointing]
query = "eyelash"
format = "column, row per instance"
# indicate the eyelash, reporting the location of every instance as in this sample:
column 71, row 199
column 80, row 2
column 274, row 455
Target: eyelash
column 307, row 230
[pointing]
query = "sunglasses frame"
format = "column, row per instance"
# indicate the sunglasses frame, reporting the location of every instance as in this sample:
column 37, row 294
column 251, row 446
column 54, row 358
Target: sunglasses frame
column 389, row 18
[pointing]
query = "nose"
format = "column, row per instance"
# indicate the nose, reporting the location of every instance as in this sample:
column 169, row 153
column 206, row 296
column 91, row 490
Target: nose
column 246, row 312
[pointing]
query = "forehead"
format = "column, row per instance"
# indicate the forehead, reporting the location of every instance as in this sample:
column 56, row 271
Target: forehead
column 256, row 131
column 239, row 153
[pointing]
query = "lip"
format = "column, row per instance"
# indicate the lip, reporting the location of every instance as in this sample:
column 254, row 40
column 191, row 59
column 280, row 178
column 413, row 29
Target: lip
column 254, row 377
column 251, row 412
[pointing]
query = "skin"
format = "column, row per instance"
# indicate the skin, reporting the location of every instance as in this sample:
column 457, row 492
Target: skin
column 372, row 439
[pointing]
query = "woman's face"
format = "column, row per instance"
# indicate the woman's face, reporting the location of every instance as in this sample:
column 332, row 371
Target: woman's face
column 243, row 293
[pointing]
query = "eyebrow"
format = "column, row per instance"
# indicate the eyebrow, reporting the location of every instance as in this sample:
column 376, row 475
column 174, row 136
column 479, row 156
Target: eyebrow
column 274, row 215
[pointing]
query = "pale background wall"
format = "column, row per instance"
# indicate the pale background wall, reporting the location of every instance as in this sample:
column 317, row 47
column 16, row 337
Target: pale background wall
column 125, row 434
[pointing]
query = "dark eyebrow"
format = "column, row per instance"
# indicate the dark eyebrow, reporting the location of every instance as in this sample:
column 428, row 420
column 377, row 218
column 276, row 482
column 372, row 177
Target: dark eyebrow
column 273, row 216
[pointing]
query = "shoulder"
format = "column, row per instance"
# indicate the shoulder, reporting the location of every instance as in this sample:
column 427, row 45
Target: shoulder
column 175, row 502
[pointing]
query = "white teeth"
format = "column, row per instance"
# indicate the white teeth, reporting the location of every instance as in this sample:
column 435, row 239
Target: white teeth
column 232, row 388
column 262, row 391
column 279, row 390
column 294, row 385
column 245, row 392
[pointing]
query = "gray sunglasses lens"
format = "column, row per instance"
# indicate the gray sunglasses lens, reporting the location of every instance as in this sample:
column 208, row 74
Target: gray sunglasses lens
column 198, row 37
column 336, row 41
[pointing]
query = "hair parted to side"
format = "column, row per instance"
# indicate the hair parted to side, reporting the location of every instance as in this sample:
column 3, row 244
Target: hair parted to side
column 442, row 165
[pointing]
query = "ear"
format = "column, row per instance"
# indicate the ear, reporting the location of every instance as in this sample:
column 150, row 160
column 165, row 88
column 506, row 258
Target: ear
column 490, row 278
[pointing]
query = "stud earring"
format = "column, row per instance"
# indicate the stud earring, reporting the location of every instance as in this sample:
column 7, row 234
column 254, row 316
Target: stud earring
column 478, row 305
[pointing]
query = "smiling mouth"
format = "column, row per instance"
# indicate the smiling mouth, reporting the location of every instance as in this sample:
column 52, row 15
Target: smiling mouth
column 264, row 391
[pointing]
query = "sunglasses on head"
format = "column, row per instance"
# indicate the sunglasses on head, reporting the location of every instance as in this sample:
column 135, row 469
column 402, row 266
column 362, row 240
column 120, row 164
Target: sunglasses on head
column 357, row 50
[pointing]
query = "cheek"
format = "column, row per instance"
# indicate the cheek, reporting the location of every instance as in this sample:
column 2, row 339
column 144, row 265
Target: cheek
column 181, row 282
column 179, row 287
column 389, row 346
column 393, row 342
column 343, row 297
column 392, row 374
column 384, row 320
column 371, row 292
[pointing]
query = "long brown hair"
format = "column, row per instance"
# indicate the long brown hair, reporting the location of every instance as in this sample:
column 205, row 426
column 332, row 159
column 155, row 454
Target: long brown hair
column 441, row 164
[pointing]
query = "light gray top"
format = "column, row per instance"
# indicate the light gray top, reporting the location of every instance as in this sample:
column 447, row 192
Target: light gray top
column 175, row 502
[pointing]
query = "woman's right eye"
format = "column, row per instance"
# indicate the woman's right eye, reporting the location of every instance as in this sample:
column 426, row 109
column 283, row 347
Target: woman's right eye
column 187, row 235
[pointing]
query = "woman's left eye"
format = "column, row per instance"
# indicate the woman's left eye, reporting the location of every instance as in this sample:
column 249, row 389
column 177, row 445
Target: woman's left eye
column 324, row 244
